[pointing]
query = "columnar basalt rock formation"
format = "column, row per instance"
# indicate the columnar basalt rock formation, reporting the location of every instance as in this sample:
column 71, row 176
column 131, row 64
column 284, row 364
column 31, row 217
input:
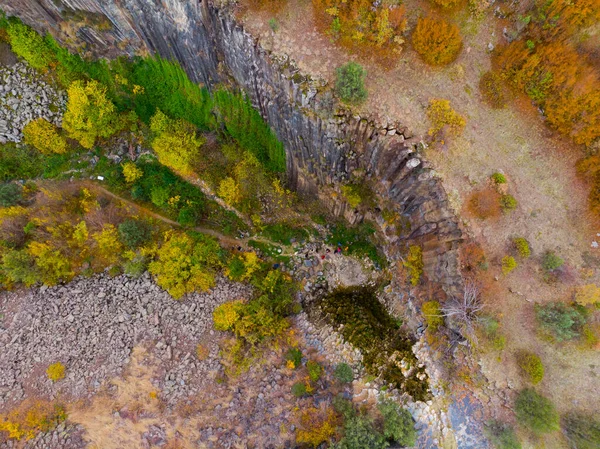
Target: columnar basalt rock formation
column 325, row 143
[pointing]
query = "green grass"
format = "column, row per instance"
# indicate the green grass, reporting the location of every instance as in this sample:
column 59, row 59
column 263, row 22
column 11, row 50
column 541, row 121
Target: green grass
column 284, row 233
column 358, row 240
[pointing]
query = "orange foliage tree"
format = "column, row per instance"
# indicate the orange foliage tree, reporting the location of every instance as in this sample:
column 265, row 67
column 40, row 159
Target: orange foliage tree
column 437, row 41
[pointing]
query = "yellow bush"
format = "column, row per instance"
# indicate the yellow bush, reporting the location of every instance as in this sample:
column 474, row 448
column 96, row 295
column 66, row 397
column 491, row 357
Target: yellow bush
column 230, row 191
column 131, row 172
column 414, row 263
column 56, row 372
column 587, row 295
column 31, row 418
column 226, row 315
column 437, row 41
column 433, row 314
column 508, row 264
column 90, row 114
column 351, row 195
column 442, row 116
column 44, row 136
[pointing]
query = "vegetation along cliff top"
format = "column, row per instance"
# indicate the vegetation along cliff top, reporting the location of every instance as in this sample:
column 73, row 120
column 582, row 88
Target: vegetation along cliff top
column 300, row 224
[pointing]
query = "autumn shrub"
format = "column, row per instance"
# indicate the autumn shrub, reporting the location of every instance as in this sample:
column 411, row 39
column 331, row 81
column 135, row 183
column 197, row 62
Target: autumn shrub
column 498, row 178
column 443, row 118
column 317, row 426
column 314, row 370
column 473, row 257
column 363, row 26
column 436, row 41
column 414, row 263
column 508, row 264
column 44, row 136
column 551, row 261
column 587, row 295
column 175, row 143
column 521, row 245
column 90, row 114
column 432, row 313
column 562, row 321
column 502, row 435
column 350, row 83
column 446, row 3
column 299, row 389
column 51, row 264
column 582, row 431
column 134, row 232
column 531, row 366
column 491, row 87
column 29, row 45
column 398, row 424
column 186, row 263
column 56, row 372
column 31, row 418
column 11, row 194
column 508, row 203
column 202, row 352
column 490, row 326
column 536, row 412
column 485, row 204
column 136, row 266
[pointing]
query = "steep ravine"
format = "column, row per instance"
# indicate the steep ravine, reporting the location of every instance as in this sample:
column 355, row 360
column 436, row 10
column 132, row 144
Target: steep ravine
column 324, row 142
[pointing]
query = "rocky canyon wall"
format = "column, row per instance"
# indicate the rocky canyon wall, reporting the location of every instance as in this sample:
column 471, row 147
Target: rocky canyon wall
column 324, row 143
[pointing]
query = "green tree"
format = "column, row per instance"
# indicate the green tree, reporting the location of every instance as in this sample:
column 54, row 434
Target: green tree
column 90, row 114
column 350, row 83
column 536, row 412
column 360, row 433
column 343, row 372
column 175, row 143
column 563, row 321
column 398, row 425
column 551, row 261
column 134, row 233
column 10, row 194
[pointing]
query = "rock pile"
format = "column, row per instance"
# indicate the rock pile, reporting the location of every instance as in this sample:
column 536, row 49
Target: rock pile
column 24, row 97
column 91, row 326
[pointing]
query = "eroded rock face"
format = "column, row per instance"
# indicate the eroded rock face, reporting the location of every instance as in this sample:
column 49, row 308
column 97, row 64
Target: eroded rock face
column 324, row 143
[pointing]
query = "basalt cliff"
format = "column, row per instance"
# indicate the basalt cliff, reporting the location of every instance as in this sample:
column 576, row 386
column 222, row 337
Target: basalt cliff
column 325, row 143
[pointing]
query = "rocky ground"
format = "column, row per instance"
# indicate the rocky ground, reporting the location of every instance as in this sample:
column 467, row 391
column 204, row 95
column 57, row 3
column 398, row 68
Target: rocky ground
column 25, row 96
column 92, row 325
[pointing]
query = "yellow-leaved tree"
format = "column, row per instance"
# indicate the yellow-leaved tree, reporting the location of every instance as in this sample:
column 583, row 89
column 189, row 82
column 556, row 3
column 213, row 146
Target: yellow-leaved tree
column 53, row 266
column 229, row 190
column 109, row 246
column 175, row 143
column 90, row 114
column 185, row 264
column 44, row 136
column 131, row 172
